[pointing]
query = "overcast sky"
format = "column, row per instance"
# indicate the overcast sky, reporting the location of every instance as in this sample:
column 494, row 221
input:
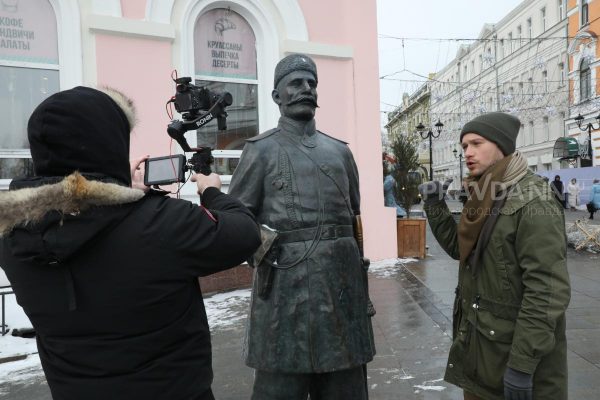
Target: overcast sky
column 431, row 19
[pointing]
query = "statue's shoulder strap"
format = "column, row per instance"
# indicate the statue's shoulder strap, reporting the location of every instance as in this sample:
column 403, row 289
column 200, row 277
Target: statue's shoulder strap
column 263, row 135
column 331, row 137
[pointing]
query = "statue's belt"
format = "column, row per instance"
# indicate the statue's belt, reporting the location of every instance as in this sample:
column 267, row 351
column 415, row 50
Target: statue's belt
column 328, row 232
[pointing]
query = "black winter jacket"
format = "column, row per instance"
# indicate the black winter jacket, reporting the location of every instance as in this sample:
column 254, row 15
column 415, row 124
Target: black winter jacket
column 110, row 283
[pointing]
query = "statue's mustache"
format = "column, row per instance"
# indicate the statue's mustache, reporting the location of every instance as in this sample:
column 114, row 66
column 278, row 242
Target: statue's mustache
column 304, row 99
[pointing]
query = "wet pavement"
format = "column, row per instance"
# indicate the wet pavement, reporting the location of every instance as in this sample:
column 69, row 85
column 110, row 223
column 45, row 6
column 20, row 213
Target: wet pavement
column 412, row 329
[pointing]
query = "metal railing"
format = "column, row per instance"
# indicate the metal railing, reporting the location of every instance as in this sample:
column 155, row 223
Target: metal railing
column 4, row 290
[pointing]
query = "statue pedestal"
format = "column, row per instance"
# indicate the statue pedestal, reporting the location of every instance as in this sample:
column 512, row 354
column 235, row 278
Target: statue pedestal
column 411, row 237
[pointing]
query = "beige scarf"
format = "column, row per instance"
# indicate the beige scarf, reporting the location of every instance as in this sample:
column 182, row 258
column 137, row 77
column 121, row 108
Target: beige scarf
column 492, row 185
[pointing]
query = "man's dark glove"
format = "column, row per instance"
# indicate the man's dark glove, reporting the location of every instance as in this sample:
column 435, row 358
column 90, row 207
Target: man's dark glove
column 517, row 385
column 434, row 191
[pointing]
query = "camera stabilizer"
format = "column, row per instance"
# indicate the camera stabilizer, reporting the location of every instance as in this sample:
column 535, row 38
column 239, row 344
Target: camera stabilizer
column 198, row 106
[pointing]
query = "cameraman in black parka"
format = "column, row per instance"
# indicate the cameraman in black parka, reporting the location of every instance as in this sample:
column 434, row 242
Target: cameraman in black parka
column 106, row 272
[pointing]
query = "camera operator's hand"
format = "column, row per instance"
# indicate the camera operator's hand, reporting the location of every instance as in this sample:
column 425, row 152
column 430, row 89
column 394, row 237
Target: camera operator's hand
column 137, row 174
column 203, row 181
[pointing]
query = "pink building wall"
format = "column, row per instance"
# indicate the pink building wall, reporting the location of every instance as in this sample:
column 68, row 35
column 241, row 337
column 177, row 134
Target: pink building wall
column 134, row 9
column 348, row 95
column 141, row 68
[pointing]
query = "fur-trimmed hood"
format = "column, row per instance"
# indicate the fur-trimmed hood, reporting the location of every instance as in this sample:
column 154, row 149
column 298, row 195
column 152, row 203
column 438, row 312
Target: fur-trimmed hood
column 54, row 221
column 70, row 196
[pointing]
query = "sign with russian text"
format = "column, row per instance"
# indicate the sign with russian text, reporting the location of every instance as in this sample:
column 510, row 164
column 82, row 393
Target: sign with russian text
column 224, row 45
column 28, row 31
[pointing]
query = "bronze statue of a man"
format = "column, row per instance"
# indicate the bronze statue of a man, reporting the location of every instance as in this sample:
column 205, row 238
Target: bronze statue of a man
column 309, row 330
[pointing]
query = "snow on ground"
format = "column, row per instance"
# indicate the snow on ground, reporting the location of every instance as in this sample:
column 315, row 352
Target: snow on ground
column 11, row 346
column 23, row 372
column 15, row 317
column 227, row 310
column 388, row 268
column 427, row 386
column 224, row 311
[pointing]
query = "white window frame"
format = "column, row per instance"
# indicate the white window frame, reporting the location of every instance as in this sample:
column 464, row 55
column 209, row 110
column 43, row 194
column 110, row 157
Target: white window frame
column 561, row 10
column 543, row 15
column 193, row 138
column 268, row 52
column 561, row 71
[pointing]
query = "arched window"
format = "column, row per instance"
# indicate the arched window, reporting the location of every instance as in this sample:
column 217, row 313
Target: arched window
column 225, row 59
column 29, row 73
column 585, row 80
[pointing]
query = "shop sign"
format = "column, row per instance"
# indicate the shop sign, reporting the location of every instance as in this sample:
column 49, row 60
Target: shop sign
column 28, row 31
column 224, row 45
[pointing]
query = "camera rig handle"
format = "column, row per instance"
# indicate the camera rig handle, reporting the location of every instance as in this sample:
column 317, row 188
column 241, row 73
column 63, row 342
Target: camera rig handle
column 202, row 159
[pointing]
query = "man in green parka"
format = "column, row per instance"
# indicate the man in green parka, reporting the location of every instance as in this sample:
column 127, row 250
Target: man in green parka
column 513, row 285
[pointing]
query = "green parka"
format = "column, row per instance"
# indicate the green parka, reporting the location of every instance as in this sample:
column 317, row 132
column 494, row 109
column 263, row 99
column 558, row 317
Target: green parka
column 510, row 309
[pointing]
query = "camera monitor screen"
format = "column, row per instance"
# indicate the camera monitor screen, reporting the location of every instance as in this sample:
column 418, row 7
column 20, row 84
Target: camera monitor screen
column 164, row 170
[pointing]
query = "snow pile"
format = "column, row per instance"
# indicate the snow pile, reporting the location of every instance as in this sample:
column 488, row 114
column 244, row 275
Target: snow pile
column 388, row 268
column 227, row 310
column 15, row 317
column 11, row 346
column 427, row 386
column 583, row 236
column 23, row 372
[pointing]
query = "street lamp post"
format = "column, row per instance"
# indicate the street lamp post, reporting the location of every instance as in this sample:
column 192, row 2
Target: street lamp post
column 460, row 162
column 589, row 128
column 430, row 135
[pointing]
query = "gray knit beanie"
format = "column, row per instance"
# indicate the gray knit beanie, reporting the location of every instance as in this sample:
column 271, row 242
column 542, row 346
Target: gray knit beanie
column 294, row 62
column 497, row 127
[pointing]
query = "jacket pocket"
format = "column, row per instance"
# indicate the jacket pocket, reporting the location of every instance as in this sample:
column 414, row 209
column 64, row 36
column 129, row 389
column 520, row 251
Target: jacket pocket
column 500, row 264
column 489, row 343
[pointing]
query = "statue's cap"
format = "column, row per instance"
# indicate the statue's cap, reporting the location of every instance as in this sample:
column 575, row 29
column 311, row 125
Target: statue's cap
column 294, row 62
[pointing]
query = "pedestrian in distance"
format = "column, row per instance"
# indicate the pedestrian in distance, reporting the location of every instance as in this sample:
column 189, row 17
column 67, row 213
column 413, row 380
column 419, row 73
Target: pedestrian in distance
column 573, row 190
column 106, row 269
column 309, row 328
column 558, row 189
column 513, row 288
column 594, row 203
column 389, row 197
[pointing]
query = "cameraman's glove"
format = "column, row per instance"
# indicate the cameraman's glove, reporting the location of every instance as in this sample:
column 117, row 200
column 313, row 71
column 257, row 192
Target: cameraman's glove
column 434, row 191
column 517, row 385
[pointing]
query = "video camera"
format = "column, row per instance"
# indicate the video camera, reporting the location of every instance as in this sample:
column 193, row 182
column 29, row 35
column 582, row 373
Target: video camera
column 197, row 106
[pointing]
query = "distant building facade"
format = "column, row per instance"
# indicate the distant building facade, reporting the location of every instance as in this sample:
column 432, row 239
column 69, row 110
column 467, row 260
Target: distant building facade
column 518, row 65
column 584, row 89
column 405, row 119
